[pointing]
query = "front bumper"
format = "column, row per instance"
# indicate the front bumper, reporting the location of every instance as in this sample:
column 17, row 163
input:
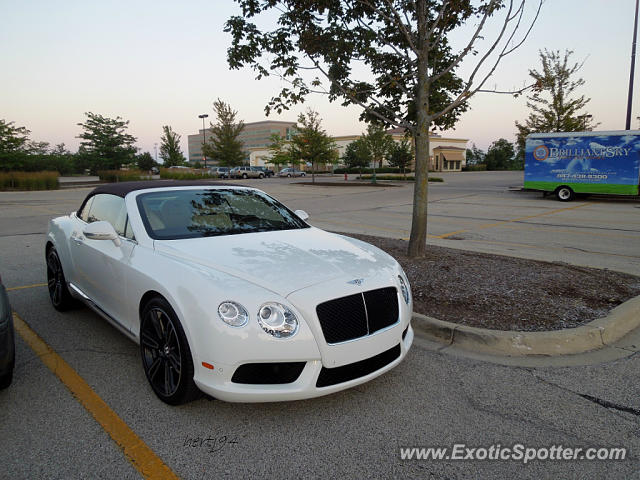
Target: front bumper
column 217, row 382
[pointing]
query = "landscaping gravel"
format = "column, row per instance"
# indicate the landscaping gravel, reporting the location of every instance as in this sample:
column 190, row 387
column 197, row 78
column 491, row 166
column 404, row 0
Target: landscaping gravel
column 506, row 293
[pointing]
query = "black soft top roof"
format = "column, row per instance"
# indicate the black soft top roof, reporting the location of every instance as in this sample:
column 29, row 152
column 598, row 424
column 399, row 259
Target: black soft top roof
column 122, row 188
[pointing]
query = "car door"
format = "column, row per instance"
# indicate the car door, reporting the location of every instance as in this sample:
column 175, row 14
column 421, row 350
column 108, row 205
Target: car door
column 102, row 268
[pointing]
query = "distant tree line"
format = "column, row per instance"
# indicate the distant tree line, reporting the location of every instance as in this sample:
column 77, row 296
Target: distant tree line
column 105, row 145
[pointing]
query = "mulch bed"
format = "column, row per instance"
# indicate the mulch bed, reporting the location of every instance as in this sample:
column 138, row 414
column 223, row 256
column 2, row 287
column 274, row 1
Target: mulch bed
column 506, row 293
column 350, row 183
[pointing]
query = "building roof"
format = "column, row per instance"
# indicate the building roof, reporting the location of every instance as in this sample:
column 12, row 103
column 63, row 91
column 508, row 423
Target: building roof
column 446, row 147
column 402, row 131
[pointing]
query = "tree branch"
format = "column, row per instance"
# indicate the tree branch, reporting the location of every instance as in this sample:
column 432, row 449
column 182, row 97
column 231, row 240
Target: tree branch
column 469, row 46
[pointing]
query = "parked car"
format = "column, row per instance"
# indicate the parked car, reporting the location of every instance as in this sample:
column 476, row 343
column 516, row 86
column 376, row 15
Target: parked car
column 267, row 173
column 178, row 167
column 229, row 292
column 7, row 341
column 221, row 172
column 246, row 172
column 291, row 172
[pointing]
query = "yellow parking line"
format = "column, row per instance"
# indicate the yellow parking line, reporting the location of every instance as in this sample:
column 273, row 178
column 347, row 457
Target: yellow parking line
column 489, row 225
column 137, row 452
column 27, row 286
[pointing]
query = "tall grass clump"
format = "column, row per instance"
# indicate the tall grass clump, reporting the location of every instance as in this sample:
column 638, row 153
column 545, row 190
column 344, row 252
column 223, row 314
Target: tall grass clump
column 29, row 180
column 113, row 176
column 166, row 173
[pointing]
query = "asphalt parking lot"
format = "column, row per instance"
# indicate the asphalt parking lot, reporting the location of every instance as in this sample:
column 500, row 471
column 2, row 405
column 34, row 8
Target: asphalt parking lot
column 432, row 399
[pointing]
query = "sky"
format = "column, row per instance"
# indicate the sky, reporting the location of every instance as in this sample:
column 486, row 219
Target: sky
column 158, row 63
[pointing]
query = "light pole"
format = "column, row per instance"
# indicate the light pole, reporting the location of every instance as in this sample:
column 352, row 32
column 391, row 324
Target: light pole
column 155, row 147
column 584, row 120
column 633, row 66
column 204, row 158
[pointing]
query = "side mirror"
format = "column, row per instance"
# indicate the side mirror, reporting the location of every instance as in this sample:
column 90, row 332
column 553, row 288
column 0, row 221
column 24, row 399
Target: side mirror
column 302, row 214
column 102, row 230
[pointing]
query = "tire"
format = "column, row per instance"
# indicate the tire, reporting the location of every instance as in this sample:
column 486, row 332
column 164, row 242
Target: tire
column 59, row 294
column 288, row 175
column 166, row 356
column 564, row 194
column 303, row 174
column 5, row 380
column 244, row 175
column 261, row 176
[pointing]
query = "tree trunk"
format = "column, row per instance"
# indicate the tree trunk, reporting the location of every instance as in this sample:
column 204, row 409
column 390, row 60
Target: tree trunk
column 418, row 237
column 313, row 172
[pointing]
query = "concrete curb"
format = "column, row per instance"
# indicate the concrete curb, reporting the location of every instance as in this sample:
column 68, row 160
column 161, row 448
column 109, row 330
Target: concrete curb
column 592, row 336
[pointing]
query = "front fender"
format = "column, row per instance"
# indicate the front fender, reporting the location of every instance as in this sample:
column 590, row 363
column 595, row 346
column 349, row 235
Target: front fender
column 195, row 292
column 58, row 234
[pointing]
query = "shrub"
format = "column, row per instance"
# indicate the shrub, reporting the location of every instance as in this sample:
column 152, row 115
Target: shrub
column 29, row 180
column 370, row 170
column 20, row 161
column 480, row 167
column 179, row 174
column 113, row 176
column 397, row 177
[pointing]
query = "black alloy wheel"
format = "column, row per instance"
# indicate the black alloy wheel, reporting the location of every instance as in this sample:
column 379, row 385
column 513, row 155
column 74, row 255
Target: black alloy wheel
column 166, row 357
column 59, row 294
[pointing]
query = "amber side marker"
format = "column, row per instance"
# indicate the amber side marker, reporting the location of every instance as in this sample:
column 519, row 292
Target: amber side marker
column 137, row 452
column 207, row 365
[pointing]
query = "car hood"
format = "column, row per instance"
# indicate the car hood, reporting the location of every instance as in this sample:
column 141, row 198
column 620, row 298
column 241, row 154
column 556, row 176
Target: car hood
column 284, row 261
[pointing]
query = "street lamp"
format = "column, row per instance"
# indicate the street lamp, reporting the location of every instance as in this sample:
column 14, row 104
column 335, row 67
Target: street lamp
column 627, row 125
column 584, row 120
column 203, row 116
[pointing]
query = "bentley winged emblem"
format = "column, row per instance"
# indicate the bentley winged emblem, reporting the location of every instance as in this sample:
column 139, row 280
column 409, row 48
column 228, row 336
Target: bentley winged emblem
column 357, row 281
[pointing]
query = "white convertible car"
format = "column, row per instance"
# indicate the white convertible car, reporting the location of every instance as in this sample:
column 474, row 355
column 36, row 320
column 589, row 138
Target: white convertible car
column 229, row 292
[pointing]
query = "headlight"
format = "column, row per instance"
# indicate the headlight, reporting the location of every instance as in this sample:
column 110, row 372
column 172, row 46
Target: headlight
column 404, row 289
column 233, row 314
column 277, row 320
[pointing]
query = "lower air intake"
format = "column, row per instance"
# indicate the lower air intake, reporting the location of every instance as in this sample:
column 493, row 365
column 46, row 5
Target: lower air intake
column 333, row 376
column 268, row 373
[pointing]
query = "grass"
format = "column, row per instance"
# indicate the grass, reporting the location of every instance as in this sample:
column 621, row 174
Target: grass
column 166, row 173
column 112, row 176
column 29, row 180
column 410, row 178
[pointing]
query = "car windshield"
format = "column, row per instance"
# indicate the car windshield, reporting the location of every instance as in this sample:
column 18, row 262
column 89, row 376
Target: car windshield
column 177, row 214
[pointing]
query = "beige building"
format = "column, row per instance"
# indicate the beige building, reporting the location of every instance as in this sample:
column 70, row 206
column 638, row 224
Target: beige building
column 447, row 158
column 446, row 154
column 254, row 136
